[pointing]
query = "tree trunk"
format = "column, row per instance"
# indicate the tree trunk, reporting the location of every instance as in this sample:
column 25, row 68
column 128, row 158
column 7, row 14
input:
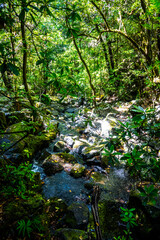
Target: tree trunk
column 87, row 69
column 24, row 42
column 105, row 52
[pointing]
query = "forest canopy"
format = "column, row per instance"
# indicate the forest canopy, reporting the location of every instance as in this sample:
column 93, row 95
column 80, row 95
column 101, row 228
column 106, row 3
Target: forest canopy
column 92, row 48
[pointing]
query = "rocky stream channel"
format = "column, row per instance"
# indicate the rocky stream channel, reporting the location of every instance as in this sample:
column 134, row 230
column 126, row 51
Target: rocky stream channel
column 73, row 163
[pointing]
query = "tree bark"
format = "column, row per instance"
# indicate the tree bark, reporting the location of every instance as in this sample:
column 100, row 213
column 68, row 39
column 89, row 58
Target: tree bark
column 24, row 42
column 105, row 52
column 86, row 67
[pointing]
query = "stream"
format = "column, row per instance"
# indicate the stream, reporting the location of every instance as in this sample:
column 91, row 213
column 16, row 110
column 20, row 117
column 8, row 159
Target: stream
column 81, row 129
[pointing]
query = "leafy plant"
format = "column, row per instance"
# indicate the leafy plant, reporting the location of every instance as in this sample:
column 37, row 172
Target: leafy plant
column 111, row 155
column 17, row 181
column 24, row 227
column 149, row 194
column 129, row 218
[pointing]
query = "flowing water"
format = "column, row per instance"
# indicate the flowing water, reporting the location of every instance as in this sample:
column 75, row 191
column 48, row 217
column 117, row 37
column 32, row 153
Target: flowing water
column 73, row 129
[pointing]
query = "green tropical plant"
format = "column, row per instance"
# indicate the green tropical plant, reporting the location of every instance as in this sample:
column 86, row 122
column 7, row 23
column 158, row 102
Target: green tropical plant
column 129, row 218
column 17, row 181
column 149, row 194
column 24, row 227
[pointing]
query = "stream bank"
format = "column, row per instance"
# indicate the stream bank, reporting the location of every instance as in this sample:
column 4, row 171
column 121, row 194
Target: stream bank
column 73, row 162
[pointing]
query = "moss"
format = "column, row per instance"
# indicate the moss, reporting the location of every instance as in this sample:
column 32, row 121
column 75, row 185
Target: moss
column 109, row 215
column 67, row 157
column 77, row 170
column 32, row 143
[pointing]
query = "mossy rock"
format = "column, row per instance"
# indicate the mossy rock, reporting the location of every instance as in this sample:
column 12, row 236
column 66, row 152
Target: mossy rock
column 51, row 167
column 104, row 161
column 26, row 210
column 29, row 145
column 57, row 210
column 77, row 170
column 77, row 216
column 90, row 152
column 61, row 146
column 69, row 158
column 71, row 234
column 109, row 215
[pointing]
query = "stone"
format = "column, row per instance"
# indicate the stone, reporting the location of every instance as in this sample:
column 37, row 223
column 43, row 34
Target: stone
column 61, row 146
column 29, row 145
column 78, row 146
column 51, row 167
column 77, row 170
column 71, row 234
column 69, row 141
column 93, row 161
column 77, row 216
column 90, row 152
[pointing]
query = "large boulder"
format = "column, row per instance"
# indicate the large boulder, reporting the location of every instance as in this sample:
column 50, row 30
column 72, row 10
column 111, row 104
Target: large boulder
column 57, row 162
column 77, row 170
column 61, row 146
column 26, row 142
column 51, row 167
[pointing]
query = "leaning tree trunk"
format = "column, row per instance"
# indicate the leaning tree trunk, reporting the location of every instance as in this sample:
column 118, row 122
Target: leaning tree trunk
column 24, row 42
column 87, row 70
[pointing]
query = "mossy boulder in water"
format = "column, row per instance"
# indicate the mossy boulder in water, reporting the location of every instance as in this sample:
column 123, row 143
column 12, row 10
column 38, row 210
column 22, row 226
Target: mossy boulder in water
column 27, row 142
column 51, row 167
column 77, row 170
column 71, row 234
column 61, row 146
column 56, row 162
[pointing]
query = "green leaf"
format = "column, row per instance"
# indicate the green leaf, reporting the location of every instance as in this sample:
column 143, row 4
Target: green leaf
column 35, row 8
column 39, row 61
column 13, row 68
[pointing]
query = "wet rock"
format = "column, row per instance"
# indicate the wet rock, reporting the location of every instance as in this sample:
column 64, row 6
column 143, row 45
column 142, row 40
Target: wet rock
column 69, row 141
column 30, row 143
column 90, row 152
column 51, row 167
column 71, row 234
column 71, row 110
column 77, row 170
column 61, row 146
column 57, row 162
column 93, row 161
column 78, row 146
column 77, row 216
column 3, row 122
column 57, row 106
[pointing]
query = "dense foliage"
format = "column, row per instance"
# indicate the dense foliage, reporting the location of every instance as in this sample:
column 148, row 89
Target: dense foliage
column 91, row 50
